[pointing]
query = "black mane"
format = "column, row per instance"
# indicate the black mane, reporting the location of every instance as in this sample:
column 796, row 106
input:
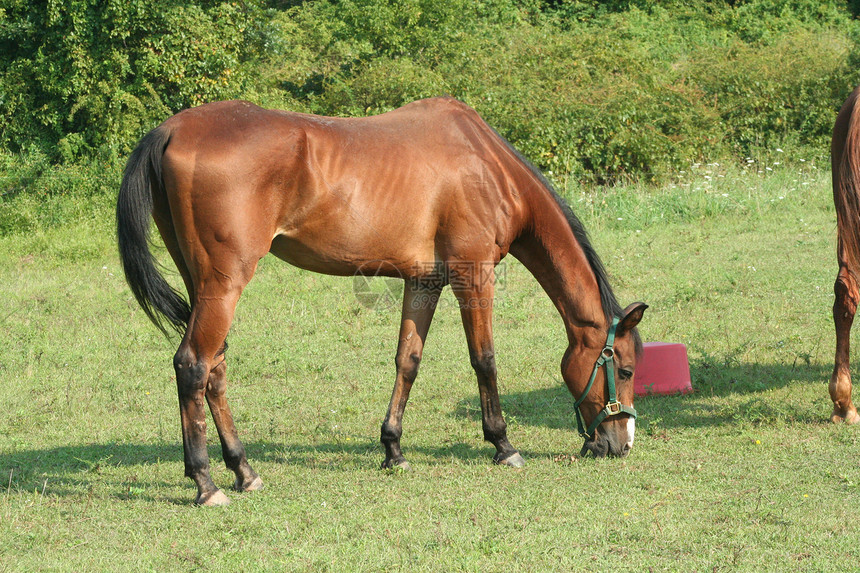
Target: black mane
column 610, row 305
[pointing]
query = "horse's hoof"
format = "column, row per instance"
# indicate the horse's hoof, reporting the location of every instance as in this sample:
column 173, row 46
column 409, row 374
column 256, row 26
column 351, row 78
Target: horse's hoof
column 515, row 460
column 850, row 418
column 402, row 465
column 213, row 499
column 254, row 485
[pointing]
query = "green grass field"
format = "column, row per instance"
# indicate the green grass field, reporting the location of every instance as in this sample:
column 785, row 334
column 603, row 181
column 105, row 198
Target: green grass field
column 744, row 474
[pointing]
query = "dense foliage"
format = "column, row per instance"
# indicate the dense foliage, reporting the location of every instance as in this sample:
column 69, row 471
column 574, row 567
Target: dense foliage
column 82, row 76
column 595, row 90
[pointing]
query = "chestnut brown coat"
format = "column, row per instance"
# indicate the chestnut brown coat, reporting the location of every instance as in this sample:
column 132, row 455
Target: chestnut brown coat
column 428, row 193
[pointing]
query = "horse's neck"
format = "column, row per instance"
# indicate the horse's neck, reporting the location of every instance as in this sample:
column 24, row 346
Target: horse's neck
column 548, row 248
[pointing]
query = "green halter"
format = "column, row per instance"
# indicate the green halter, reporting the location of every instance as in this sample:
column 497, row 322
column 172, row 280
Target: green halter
column 613, row 406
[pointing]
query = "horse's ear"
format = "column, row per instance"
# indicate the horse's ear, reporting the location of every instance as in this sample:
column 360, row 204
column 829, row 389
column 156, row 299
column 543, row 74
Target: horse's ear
column 632, row 315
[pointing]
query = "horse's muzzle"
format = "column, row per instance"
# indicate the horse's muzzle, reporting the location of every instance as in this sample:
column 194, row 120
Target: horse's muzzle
column 600, row 446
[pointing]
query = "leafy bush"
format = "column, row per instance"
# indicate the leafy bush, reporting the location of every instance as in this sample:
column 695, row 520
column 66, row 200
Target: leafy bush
column 598, row 91
column 85, row 76
column 783, row 94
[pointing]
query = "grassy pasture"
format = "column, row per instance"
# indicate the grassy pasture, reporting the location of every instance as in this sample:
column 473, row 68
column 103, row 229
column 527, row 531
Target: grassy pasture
column 744, row 474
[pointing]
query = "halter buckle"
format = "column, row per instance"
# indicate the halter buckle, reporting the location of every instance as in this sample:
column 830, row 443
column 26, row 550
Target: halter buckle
column 613, row 408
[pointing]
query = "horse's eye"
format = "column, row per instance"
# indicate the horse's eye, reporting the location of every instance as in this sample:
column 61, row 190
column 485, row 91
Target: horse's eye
column 625, row 374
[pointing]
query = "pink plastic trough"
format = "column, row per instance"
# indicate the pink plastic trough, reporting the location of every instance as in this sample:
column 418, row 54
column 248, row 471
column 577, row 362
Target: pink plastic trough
column 663, row 369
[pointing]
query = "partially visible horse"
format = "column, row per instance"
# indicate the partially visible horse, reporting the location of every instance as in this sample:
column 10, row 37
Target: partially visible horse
column 845, row 165
column 428, row 192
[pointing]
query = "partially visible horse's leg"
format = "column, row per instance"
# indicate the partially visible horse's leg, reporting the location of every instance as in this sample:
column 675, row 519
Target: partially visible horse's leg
column 419, row 304
column 194, row 363
column 476, row 309
column 231, row 447
column 844, row 308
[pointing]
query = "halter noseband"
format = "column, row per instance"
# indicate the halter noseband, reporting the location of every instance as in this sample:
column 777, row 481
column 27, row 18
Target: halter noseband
column 613, row 406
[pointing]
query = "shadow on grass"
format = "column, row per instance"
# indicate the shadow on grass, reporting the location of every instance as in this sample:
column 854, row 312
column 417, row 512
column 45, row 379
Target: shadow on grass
column 553, row 407
column 71, row 470
column 130, row 470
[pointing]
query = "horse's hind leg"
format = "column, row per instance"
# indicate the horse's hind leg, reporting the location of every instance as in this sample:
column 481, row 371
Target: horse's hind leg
column 199, row 375
column 419, row 304
column 231, row 447
column 844, row 308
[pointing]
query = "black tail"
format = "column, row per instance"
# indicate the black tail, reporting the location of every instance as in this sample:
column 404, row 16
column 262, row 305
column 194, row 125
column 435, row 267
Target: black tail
column 142, row 176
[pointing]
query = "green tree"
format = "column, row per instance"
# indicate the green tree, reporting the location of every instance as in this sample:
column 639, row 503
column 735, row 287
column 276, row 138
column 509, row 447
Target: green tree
column 85, row 76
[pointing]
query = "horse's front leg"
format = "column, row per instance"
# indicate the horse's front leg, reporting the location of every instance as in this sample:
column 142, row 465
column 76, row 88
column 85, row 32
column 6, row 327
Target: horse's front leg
column 419, row 304
column 476, row 308
column 844, row 308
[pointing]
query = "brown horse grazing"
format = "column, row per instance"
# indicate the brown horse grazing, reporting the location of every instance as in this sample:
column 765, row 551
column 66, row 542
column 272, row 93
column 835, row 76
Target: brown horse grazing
column 845, row 165
column 428, row 192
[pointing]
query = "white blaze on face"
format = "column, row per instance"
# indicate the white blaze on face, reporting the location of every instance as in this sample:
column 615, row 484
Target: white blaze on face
column 631, row 429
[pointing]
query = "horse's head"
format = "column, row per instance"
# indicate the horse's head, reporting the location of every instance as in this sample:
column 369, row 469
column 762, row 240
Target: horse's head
column 599, row 374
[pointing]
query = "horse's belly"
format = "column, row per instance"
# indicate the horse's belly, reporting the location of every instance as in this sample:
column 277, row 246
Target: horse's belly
column 335, row 259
